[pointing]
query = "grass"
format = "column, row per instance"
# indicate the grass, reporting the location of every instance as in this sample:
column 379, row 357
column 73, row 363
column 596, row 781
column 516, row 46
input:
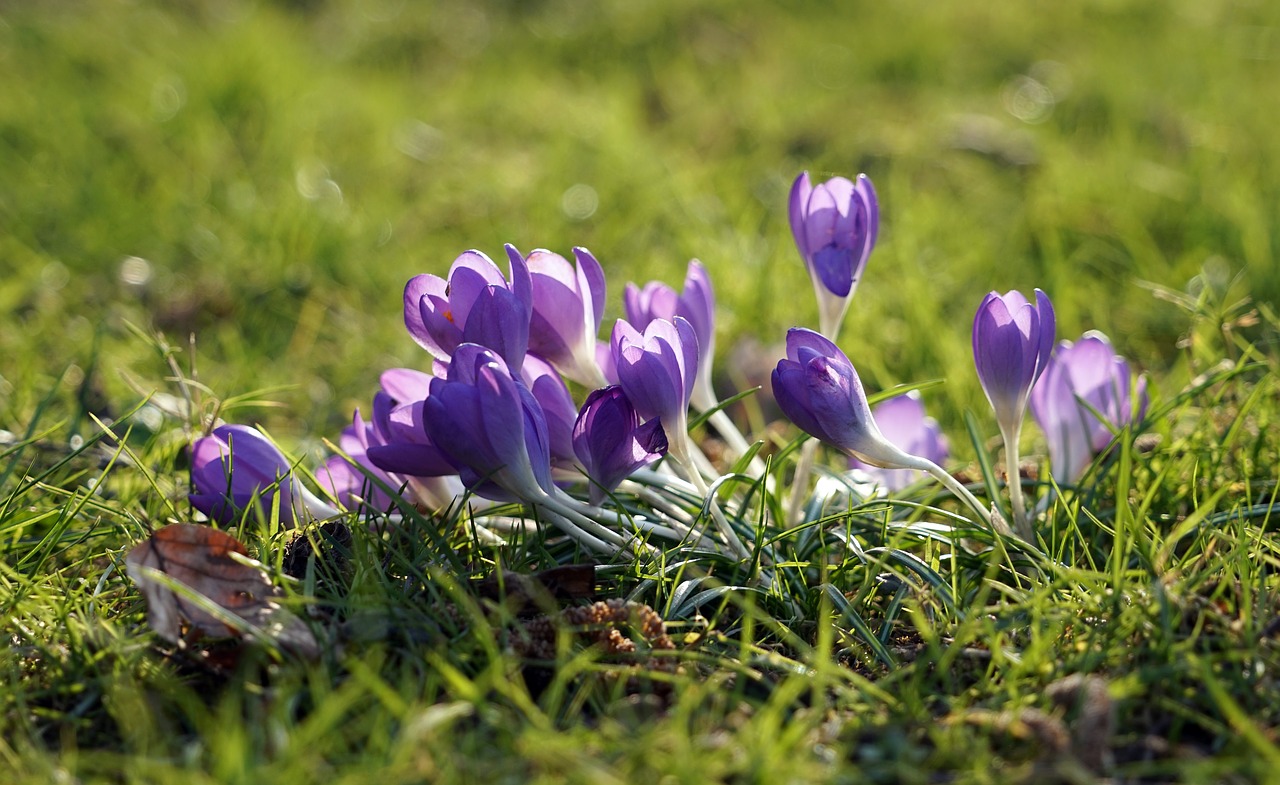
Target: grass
column 281, row 169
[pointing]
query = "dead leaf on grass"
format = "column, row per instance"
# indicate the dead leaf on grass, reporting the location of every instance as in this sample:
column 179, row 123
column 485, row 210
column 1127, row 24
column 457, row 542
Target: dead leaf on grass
column 199, row 582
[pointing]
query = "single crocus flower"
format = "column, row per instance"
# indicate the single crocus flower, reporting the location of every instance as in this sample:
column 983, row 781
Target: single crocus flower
column 549, row 390
column 490, row 427
column 394, row 448
column 611, row 442
column 697, row 304
column 903, row 422
column 235, row 465
column 818, row 389
column 568, row 305
column 835, row 225
column 1012, row 341
column 656, row 370
column 477, row 304
column 1085, row 394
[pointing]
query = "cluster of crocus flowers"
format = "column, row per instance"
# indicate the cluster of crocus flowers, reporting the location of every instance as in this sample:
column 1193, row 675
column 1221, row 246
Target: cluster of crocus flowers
column 493, row 414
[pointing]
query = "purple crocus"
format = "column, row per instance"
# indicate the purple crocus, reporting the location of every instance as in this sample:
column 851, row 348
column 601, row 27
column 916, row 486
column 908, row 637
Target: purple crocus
column 835, row 225
column 612, row 442
column 903, row 422
column 490, row 427
column 1085, row 394
column 697, row 304
column 657, row 369
column 475, row 305
column 552, row 395
column 568, row 305
column 394, row 448
column 818, row 389
column 236, row 465
column 1012, row 340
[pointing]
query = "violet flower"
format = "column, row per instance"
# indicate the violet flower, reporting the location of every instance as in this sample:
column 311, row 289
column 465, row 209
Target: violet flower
column 818, row 389
column 656, row 370
column 612, row 442
column 1012, row 340
column 489, row 427
column 568, row 305
column 835, row 225
column 394, row 448
column 552, row 395
column 697, row 304
column 475, row 305
column 902, row 421
column 1085, row 394
column 235, row 466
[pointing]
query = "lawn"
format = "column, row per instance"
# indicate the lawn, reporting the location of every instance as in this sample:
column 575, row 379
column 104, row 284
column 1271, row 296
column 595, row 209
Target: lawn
column 211, row 209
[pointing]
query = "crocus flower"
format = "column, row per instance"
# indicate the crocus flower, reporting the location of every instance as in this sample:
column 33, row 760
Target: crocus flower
column 1012, row 340
column 398, row 439
column 552, row 395
column 475, row 305
column 657, row 369
column 903, row 422
column 835, row 225
column 234, row 465
column 818, row 389
column 1084, row 395
column 697, row 304
column 611, row 442
column 490, row 427
column 393, row 448
column 568, row 304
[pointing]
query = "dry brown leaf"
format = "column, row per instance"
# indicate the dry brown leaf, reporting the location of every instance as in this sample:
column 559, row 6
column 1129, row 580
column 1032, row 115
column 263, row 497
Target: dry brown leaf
column 201, row 580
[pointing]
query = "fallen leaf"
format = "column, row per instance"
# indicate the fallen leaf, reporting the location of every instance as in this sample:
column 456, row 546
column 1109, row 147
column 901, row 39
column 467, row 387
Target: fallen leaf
column 200, row 582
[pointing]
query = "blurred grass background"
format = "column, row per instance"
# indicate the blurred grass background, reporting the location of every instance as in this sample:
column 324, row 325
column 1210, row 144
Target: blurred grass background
column 268, row 175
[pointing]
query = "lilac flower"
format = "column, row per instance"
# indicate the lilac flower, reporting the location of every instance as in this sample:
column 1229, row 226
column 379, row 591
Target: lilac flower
column 475, row 305
column 902, row 422
column 236, row 465
column 1012, row 340
column 611, row 442
column 568, row 304
column 657, row 369
column 835, row 225
column 490, row 427
column 1085, row 393
column 697, row 304
column 818, row 389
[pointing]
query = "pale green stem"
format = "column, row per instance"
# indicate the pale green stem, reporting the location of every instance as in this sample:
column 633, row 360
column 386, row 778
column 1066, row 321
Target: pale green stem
column 800, row 483
column 1014, row 480
column 680, row 448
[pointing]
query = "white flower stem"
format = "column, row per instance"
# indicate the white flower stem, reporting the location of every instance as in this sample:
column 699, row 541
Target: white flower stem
column 680, row 449
column 737, row 443
column 1013, row 479
column 578, row 534
column 578, row 510
column 800, row 482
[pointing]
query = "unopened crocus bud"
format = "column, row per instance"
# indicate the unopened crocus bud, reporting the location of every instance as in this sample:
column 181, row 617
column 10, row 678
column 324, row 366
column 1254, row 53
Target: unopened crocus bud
column 697, row 304
column 657, row 369
column 1012, row 340
column 236, row 464
column 1085, row 394
column 835, row 225
column 612, row 442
